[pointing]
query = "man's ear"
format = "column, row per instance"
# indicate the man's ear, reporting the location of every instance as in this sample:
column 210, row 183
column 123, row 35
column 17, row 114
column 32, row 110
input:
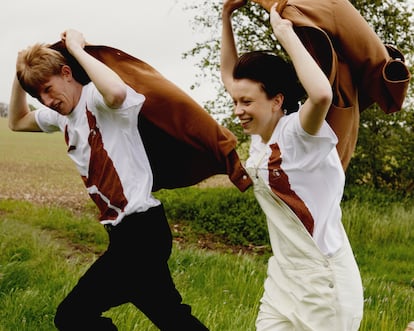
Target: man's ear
column 66, row 71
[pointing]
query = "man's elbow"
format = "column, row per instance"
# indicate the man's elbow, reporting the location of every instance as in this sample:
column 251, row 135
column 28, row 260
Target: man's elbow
column 26, row 124
column 117, row 98
column 13, row 126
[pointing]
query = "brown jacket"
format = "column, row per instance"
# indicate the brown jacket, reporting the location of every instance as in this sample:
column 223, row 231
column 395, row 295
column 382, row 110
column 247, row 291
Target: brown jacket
column 185, row 145
column 361, row 69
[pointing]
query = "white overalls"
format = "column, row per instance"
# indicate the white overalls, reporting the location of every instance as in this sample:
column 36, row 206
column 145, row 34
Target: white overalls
column 305, row 289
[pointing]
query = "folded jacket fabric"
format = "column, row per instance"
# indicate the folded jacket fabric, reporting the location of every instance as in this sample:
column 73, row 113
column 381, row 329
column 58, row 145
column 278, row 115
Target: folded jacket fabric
column 361, row 69
column 184, row 144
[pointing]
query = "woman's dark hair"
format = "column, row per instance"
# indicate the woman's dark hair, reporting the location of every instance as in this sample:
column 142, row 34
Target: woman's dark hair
column 274, row 74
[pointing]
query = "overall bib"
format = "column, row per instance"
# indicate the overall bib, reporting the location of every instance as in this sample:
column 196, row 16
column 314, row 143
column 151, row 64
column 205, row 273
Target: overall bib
column 305, row 290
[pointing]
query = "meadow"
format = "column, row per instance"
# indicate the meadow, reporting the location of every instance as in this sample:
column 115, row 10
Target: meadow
column 49, row 236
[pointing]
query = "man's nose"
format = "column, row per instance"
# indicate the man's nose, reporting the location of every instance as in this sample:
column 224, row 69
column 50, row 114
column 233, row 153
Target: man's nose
column 46, row 99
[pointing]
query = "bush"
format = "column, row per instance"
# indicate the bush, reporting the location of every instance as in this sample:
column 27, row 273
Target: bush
column 378, row 198
column 225, row 212
column 236, row 218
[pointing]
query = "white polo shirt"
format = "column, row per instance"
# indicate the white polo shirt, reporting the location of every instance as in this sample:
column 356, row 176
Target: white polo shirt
column 306, row 173
column 108, row 152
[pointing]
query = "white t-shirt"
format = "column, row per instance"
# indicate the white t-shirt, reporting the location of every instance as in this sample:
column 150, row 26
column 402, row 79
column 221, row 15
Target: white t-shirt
column 304, row 171
column 108, row 152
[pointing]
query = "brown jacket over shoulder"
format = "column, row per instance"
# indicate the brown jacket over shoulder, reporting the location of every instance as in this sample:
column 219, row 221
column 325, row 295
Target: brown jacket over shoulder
column 184, row 144
column 361, row 69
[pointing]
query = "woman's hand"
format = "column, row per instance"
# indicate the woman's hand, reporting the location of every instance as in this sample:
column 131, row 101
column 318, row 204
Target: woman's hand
column 229, row 6
column 279, row 24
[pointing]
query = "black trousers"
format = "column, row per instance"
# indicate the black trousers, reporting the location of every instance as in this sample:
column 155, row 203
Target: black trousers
column 133, row 269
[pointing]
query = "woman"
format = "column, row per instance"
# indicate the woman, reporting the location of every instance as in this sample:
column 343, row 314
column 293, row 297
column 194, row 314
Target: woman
column 313, row 281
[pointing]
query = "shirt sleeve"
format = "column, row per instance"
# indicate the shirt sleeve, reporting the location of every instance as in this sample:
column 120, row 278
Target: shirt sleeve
column 48, row 120
column 305, row 149
column 133, row 99
column 129, row 109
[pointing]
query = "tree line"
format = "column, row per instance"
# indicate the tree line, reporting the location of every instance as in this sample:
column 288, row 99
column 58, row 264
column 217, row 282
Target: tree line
column 385, row 148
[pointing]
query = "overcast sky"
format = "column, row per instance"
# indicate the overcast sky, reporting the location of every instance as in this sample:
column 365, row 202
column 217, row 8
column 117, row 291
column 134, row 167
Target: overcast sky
column 156, row 31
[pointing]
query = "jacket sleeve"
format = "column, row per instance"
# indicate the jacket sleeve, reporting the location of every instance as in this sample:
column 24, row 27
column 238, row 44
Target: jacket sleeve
column 361, row 69
column 377, row 71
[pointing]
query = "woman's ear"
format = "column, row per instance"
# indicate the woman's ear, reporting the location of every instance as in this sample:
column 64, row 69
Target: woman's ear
column 278, row 101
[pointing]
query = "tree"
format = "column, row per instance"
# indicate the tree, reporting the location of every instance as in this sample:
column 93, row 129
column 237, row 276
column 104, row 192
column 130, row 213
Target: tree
column 385, row 145
column 4, row 108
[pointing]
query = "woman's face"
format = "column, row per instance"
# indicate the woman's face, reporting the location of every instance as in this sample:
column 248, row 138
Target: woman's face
column 257, row 113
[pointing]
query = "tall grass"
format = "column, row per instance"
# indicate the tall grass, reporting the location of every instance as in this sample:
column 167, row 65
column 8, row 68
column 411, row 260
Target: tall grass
column 382, row 237
column 39, row 265
column 46, row 245
column 44, row 251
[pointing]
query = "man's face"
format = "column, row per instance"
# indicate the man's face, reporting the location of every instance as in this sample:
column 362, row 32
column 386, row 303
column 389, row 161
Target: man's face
column 58, row 93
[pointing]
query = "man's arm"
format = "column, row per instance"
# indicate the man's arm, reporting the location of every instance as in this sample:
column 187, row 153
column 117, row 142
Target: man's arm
column 20, row 116
column 108, row 83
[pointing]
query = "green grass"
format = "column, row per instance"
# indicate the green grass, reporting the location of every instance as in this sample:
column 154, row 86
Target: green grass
column 382, row 238
column 45, row 250
column 49, row 237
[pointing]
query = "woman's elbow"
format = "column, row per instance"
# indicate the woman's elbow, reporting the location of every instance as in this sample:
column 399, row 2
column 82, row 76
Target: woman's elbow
column 324, row 98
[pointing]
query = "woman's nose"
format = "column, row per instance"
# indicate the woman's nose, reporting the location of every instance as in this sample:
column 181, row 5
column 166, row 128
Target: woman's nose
column 238, row 110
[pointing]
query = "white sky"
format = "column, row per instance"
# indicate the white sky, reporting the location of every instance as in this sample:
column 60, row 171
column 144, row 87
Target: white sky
column 157, row 32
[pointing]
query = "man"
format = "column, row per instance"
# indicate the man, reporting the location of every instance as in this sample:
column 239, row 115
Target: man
column 99, row 121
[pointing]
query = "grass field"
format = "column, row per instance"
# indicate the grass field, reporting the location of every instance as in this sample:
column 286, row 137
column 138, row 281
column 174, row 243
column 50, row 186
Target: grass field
column 49, row 236
column 35, row 167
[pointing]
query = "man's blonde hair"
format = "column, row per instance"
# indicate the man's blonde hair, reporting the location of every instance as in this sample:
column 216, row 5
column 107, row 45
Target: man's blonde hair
column 36, row 65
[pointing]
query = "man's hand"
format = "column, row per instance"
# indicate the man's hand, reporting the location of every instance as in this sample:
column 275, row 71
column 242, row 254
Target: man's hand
column 73, row 40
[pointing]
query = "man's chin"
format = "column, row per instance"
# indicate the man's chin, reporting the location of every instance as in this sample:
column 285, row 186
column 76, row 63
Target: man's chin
column 64, row 112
